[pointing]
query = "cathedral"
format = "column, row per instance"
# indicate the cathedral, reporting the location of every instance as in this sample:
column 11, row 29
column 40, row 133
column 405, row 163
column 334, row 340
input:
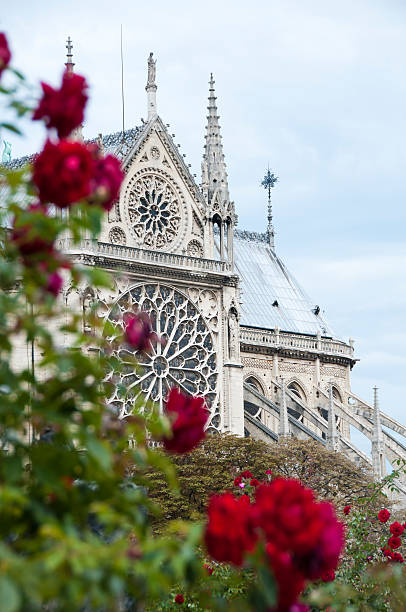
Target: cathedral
column 238, row 329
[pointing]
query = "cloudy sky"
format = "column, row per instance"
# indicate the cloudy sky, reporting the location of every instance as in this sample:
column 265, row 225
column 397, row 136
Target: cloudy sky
column 316, row 89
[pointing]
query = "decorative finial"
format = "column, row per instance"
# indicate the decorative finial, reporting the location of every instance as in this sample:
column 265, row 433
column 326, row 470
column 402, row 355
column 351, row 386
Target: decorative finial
column 151, row 87
column 69, row 64
column 269, row 181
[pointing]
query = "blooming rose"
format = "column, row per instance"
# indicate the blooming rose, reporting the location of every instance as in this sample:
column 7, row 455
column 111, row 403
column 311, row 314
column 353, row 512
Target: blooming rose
column 63, row 109
column 179, row 599
column 397, row 557
column 396, row 529
column 254, row 482
column 384, row 515
column 54, row 283
column 268, row 472
column 394, row 542
column 290, row 580
column 347, row 509
column 32, row 243
column 328, row 576
column 107, row 180
column 5, row 54
column 246, row 474
column 188, row 417
column 237, row 481
column 294, row 522
column 138, row 331
column 286, row 514
column 229, row 531
column 245, row 499
column 63, row 172
column 386, row 552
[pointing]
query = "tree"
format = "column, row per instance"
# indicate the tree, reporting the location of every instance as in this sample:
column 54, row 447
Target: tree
column 213, row 466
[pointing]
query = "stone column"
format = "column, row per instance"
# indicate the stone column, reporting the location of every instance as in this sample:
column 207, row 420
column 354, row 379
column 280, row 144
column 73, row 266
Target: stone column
column 333, row 438
column 378, row 444
column 283, row 429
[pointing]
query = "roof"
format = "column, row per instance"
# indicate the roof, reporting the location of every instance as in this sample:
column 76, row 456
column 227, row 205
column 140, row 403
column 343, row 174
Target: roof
column 118, row 144
column 271, row 297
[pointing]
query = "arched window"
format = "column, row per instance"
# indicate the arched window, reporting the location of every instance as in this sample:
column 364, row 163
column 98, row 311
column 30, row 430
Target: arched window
column 337, row 395
column 251, row 380
column 295, row 388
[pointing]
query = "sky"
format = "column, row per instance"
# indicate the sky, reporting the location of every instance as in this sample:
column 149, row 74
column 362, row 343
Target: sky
column 315, row 89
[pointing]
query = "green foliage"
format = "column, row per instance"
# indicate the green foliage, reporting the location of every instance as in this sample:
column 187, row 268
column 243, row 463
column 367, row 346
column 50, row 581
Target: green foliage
column 212, row 467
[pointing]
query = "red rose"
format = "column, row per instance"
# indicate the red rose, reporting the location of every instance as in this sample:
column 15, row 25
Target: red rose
column 290, row 580
column 188, row 416
column 254, row 482
column 397, row 557
column 63, row 172
column 5, row 54
column 268, row 472
column 328, row 576
column 394, row 542
column 294, row 522
column 237, row 481
column 383, row 515
column 347, row 509
column 63, row 109
column 138, row 332
column 107, row 181
column 179, row 599
column 246, row 474
column 230, row 532
column 54, row 283
column 386, row 552
column 396, row 529
column 245, row 499
column 32, row 243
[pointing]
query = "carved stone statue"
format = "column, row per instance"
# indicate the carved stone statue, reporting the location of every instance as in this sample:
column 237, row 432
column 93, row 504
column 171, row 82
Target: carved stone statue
column 6, row 157
column 151, row 70
column 232, row 335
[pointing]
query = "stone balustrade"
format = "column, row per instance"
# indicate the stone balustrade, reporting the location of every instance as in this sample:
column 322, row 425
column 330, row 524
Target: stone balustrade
column 133, row 254
column 278, row 339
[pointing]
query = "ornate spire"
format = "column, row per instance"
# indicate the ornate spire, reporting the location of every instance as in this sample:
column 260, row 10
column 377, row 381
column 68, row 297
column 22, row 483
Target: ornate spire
column 69, row 64
column 378, row 444
column 214, row 175
column 151, row 87
column 269, row 181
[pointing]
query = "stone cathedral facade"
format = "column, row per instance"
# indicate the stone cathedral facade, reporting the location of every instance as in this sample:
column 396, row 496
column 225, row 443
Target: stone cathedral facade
column 238, row 328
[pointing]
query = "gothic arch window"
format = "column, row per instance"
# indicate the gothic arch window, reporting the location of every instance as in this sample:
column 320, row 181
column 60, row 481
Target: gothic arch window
column 186, row 359
column 254, row 382
column 337, row 395
column 297, row 390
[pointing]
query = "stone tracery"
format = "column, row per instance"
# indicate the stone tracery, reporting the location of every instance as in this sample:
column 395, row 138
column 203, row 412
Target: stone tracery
column 186, row 358
column 154, row 210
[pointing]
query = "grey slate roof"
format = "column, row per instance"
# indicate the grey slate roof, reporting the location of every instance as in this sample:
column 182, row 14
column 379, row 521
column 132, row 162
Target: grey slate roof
column 266, row 280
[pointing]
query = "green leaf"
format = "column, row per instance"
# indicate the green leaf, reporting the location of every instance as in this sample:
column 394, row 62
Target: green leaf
column 10, row 598
column 11, row 128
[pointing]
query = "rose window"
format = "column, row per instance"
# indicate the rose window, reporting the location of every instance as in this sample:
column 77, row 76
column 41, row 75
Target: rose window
column 154, row 211
column 186, row 358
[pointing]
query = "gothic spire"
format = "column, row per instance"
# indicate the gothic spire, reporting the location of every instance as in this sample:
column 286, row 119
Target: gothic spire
column 69, row 64
column 214, row 175
column 268, row 182
column 151, row 87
